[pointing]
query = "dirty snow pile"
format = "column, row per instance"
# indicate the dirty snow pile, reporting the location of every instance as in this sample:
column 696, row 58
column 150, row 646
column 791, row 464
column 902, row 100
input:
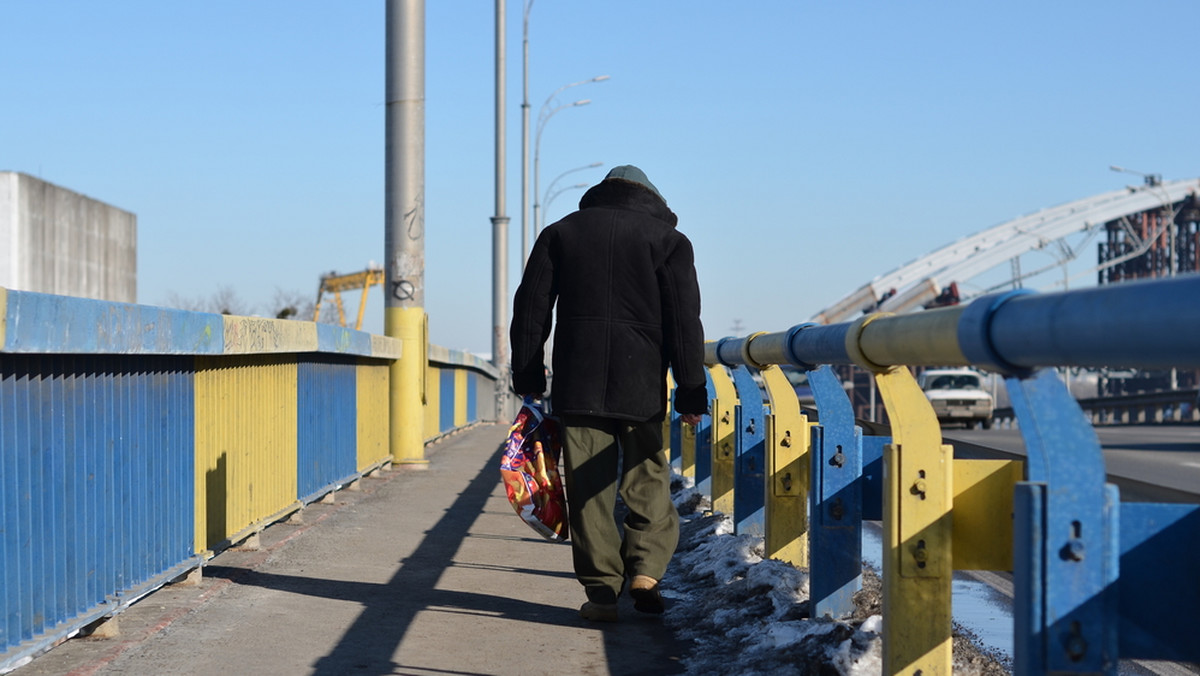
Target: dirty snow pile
column 745, row 615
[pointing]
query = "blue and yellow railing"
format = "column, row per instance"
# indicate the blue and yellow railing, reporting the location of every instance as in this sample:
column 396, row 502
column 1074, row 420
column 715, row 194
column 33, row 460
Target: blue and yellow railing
column 1085, row 564
column 135, row 441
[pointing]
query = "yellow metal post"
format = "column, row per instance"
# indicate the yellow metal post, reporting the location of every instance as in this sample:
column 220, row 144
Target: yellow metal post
column 407, row 386
column 917, row 557
column 666, row 425
column 723, row 431
column 687, row 450
column 918, row 494
column 787, row 439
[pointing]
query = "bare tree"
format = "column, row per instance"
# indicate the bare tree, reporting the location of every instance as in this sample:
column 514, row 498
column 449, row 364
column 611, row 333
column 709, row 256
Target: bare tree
column 225, row 301
column 174, row 300
column 292, row 305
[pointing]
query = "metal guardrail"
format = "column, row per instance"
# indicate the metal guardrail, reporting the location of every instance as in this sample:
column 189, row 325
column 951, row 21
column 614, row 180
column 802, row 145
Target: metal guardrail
column 135, row 441
column 1130, row 409
column 1084, row 563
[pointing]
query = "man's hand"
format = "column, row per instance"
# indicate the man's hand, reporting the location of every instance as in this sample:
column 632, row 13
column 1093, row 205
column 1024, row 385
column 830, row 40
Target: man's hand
column 692, row 419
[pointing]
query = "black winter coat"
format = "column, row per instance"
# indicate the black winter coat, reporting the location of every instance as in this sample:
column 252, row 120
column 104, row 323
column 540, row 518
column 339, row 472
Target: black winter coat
column 628, row 301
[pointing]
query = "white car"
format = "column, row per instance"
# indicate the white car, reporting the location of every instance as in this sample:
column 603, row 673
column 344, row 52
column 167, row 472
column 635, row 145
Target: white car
column 957, row 396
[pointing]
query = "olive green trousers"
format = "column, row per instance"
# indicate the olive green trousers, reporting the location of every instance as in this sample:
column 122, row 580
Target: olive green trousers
column 599, row 452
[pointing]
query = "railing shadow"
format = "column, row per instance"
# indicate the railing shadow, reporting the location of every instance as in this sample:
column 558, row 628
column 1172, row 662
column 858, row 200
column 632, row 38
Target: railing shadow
column 369, row 644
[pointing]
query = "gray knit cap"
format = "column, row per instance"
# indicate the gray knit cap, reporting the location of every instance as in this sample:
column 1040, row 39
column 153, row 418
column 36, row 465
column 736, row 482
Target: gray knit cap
column 629, row 172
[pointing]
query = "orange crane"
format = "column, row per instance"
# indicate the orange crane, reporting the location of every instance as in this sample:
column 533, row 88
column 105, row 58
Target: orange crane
column 336, row 284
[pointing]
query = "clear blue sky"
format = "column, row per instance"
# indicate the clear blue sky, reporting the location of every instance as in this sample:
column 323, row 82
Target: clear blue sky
column 806, row 146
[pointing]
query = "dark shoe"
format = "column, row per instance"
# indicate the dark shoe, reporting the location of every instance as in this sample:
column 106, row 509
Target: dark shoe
column 646, row 599
column 598, row 612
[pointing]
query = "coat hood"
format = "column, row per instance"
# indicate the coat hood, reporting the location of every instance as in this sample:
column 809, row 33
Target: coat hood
column 622, row 192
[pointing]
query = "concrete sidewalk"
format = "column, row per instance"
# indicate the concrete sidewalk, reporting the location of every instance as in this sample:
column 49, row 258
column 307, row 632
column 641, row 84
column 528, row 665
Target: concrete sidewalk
column 422, row 572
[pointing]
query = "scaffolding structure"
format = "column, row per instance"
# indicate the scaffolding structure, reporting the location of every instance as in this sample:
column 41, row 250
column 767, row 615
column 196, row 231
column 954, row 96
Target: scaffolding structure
column 1159, row 242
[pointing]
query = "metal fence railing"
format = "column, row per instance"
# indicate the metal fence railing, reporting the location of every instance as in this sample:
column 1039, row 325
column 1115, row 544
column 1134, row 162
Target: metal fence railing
column 1085, row 564
column 136, row 441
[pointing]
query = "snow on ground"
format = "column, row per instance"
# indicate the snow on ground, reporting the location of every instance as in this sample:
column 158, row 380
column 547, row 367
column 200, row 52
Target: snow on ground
column 745, row 615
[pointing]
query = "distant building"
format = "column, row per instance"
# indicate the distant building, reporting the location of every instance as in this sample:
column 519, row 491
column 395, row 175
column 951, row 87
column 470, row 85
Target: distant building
column 57, row 241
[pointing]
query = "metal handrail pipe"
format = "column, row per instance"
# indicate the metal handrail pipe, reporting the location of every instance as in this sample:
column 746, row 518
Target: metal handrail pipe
column 1150, row 324
column 1146, row 324
column 928, row 338
column 802, row 345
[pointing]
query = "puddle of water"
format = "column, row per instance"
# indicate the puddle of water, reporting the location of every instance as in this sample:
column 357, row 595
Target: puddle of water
column 977, row 607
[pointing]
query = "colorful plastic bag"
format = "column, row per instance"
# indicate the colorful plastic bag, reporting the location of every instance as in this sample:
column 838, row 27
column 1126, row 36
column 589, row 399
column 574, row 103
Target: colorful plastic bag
column 529, row 469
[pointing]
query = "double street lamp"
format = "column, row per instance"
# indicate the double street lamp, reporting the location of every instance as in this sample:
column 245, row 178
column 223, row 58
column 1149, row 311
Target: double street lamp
column 548, row 196
column 547, row 111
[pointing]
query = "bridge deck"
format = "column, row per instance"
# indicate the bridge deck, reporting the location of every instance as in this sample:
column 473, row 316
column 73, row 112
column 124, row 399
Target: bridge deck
column 421, row 572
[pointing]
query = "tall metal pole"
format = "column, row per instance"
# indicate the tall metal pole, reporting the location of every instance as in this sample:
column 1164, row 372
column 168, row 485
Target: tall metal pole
column 500, row 235
column 404, row 225
column 525, row 243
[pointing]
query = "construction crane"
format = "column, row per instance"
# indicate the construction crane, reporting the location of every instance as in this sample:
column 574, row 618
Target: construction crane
column 336, row 284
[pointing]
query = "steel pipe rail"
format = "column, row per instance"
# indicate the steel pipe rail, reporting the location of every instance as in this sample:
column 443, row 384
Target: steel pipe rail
column 1011, row 333
column 1084, row 563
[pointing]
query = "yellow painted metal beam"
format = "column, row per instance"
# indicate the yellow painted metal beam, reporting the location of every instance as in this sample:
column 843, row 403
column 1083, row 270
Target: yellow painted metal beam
column 723, row 431
column 787, row 450
column 433, row 401
column 371, row 391
column 245, row 445
column 460, row 397
column 983, row 508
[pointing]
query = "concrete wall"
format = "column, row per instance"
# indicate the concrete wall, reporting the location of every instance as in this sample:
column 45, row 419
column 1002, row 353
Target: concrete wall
column 54, row 240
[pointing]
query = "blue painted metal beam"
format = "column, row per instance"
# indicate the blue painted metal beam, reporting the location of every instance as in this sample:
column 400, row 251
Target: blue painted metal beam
column 1160, row 550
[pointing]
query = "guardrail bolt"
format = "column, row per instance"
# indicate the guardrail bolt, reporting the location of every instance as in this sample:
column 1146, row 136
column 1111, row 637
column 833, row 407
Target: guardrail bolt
column 920, row 554
column 750, row 427
column 837, row 510
column 918, row 488
column 1074, row 550
column 838, row 459
column 786, row 441
column 1077, row 645
column 787, row 482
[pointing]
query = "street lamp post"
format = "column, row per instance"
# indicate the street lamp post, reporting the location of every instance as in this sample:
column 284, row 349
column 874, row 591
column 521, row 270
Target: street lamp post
column 544, row 115
column 525, row 227
column 552, row 195
column 549, row 193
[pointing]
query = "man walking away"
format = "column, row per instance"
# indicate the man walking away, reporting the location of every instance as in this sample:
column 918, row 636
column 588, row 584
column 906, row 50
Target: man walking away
column 628, row 308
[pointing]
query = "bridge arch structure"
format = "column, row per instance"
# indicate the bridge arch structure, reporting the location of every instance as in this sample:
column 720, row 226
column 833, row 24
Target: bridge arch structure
column 1156, row 224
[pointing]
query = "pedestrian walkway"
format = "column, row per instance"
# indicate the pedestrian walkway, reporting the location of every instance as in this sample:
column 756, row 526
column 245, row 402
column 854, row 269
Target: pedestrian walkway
column 422, row 572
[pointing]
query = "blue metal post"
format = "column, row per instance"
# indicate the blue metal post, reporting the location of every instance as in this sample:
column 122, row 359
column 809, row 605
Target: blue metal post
column 1065, row 554
column 704, row 448
column 835, row 512
column 750, row 465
